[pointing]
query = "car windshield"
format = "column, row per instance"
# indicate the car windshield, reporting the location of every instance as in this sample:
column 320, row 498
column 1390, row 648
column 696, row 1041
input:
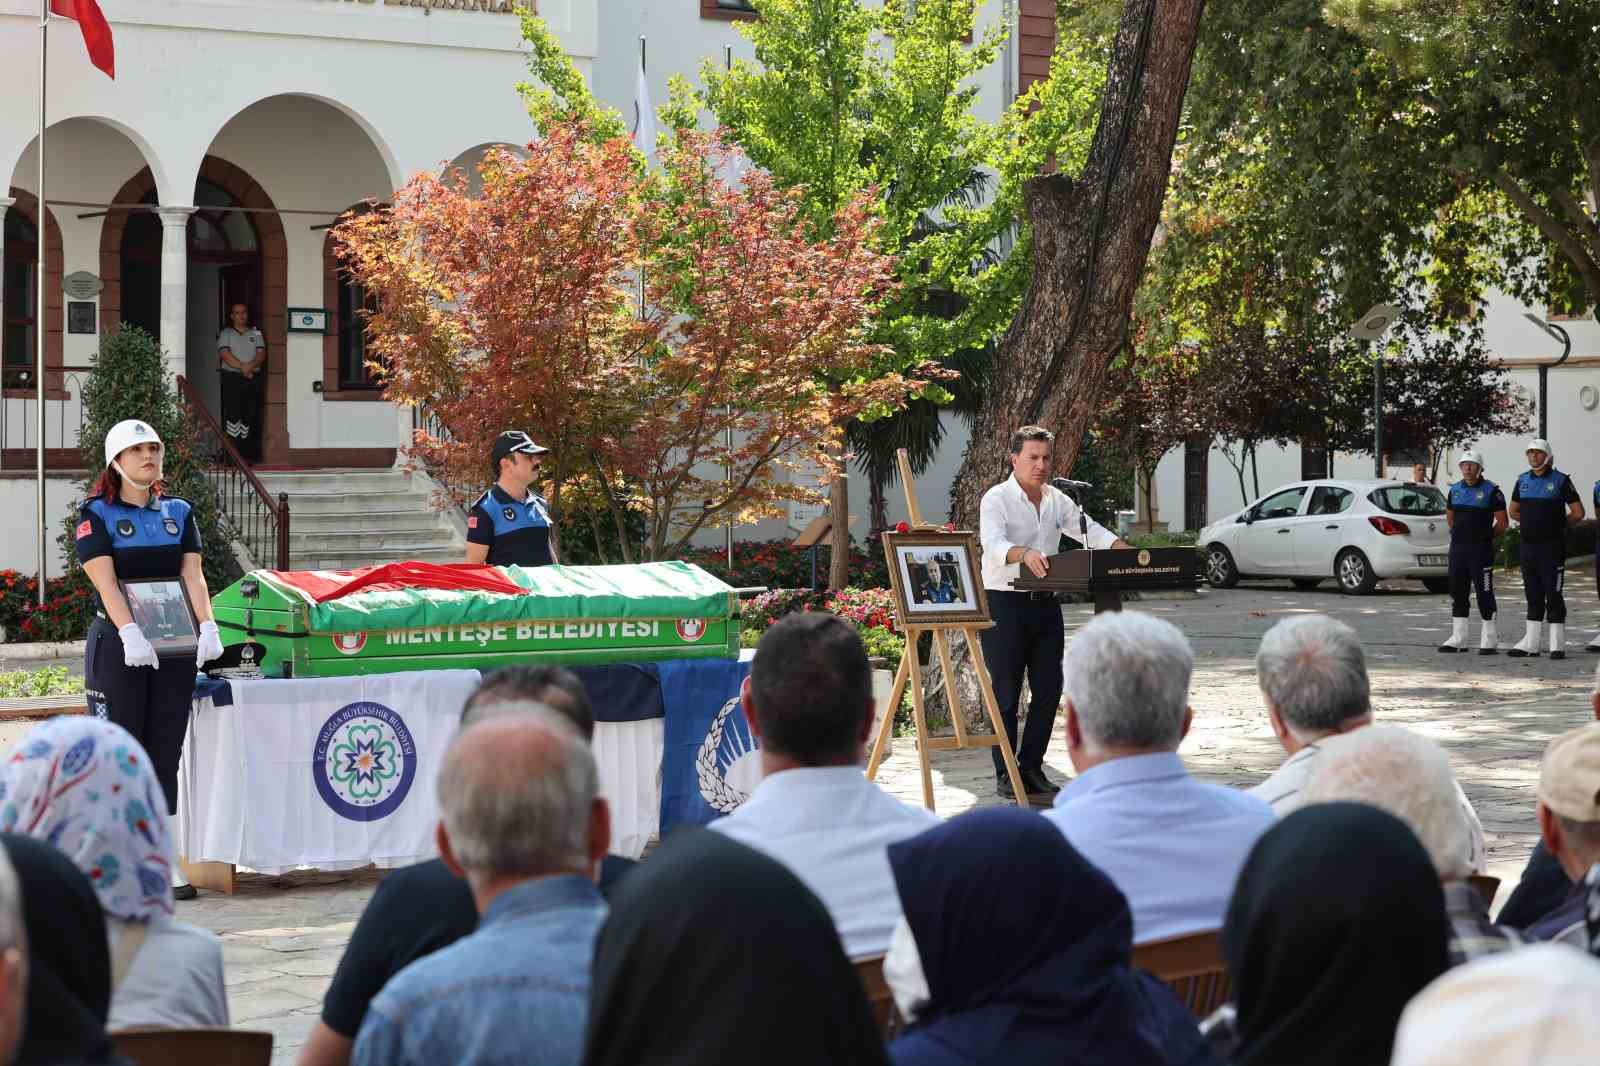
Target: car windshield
column 1409, row 499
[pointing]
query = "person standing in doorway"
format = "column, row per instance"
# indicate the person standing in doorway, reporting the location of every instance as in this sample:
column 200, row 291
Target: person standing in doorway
column 1020, row 523
column 241, row 357
column 1544, row 503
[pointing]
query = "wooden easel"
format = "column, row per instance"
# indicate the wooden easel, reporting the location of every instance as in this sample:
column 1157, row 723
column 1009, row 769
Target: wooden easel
column 911, row 671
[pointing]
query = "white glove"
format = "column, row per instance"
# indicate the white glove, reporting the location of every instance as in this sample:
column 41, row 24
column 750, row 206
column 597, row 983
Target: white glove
column 210, row 644
column 136, row 650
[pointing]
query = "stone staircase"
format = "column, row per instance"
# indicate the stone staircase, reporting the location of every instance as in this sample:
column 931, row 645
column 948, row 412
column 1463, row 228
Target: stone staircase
column 347, row 518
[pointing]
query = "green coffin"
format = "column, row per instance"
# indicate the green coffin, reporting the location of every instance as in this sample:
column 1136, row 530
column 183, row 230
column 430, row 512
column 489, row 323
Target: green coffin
column 571, row 615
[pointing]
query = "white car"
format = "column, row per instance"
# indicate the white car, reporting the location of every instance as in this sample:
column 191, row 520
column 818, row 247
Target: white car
column 1357, row 532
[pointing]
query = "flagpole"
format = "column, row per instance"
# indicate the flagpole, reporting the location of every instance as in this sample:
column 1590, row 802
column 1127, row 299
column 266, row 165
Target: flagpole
column 39, row 321
column 727, row 62
column 645, row 148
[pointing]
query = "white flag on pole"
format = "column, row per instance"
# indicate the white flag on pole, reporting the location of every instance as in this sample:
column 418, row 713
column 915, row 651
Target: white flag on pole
column 644, row 119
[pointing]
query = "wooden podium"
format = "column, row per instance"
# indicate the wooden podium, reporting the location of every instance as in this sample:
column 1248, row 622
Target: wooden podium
column 1106, row 573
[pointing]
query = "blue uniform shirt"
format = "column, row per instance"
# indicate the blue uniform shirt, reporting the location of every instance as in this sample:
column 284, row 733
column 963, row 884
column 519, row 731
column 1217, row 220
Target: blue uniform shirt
column 1473, row 509
column 1543, row 499
column 517, row 532
column 148, row 541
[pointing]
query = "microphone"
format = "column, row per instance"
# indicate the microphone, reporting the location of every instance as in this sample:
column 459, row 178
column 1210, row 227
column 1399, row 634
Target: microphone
column 1067, row 484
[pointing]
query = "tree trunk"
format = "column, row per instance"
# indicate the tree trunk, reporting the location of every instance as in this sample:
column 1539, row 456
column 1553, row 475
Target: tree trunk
column 1090, row 240
column 839, row 554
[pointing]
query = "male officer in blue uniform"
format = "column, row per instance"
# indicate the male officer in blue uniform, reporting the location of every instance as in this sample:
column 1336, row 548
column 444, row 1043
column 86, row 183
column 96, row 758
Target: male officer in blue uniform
column 1476, row 513
column 1544, row 503
column 509, row 525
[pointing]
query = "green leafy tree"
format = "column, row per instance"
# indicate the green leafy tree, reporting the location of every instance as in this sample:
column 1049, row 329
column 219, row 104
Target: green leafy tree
column 130, row 381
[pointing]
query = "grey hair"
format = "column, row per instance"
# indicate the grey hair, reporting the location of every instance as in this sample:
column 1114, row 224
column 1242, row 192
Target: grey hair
column 1312, row 670
column 1127, row 675
column 1406, row 775
column 506, row 817
column 13, row 931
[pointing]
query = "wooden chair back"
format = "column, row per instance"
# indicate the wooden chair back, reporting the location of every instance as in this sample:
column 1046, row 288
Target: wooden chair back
column 879, row 997
column 1192, row 967
column 194, row 1047
column 1486, row 886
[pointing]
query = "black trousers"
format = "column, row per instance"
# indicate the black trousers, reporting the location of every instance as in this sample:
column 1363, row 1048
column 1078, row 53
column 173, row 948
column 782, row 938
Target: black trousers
column 1543, row 574
column 153, row 705
column 1027, row 638
column 1472, row 570
column 241, row 413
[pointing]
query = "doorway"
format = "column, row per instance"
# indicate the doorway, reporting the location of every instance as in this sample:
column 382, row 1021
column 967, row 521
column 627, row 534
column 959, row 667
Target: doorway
column 224, row 269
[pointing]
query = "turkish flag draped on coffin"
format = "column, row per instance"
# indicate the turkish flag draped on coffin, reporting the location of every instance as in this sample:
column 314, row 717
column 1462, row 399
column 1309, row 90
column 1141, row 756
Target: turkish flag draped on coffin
column 96, row 31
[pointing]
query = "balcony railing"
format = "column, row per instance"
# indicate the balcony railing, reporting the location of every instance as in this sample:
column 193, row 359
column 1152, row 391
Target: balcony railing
column 63, row 418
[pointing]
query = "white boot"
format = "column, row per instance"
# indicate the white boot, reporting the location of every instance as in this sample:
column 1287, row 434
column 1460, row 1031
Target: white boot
column 1489, row 644
column 1594, row 643
column 1528, row 646
column 1458, row 636
column 1558, row 640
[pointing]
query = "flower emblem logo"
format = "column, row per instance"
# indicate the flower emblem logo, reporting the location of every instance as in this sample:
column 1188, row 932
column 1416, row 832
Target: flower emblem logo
column 364, row 761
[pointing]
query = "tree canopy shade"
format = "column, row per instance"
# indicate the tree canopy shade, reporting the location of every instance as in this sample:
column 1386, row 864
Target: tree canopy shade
column 514, row 304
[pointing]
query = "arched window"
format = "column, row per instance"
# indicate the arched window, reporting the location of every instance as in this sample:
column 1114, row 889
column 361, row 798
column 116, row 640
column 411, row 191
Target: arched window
column 21, row 300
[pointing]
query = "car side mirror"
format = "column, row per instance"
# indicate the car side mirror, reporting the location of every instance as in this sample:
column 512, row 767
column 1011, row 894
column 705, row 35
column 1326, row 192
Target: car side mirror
column 1248, row 517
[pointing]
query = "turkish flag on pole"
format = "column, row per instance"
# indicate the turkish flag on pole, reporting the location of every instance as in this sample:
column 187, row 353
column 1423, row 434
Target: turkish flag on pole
column 96, row 31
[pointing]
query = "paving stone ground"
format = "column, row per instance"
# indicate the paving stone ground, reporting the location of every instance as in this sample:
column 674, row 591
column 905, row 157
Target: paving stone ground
column 283, row 936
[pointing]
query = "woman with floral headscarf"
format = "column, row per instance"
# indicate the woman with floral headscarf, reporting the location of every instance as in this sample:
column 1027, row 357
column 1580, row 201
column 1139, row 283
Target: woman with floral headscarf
column 85, row 786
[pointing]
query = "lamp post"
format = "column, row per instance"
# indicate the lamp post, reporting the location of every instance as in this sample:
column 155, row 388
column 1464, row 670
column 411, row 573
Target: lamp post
column 1559, row 334
column 1370, row 328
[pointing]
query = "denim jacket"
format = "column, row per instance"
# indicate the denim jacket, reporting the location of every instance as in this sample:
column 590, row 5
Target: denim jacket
column 515, row 991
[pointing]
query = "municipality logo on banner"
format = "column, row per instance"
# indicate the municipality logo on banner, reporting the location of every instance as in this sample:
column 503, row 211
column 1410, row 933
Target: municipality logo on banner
column 710, row 761
column 364, row 761
column 728, row 766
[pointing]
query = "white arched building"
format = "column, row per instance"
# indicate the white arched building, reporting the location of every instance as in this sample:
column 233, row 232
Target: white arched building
column 208, row 172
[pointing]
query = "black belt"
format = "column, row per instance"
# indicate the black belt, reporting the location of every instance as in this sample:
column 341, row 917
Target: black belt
column 1031, row 594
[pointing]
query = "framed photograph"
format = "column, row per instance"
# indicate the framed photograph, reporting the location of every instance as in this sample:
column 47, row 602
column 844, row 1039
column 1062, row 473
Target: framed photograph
column 161, row 607
column 80, row 317
column 937, row 577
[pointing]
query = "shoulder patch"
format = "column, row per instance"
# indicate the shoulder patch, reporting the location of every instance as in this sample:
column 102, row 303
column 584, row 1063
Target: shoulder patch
column 84, row 529
column 472, row 521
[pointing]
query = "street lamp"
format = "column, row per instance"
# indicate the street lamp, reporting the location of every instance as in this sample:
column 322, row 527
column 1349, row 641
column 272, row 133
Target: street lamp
column 1559, row 334
column 1370, row 328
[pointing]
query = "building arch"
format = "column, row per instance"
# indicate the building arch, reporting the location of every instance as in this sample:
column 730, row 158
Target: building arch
column 16, row 375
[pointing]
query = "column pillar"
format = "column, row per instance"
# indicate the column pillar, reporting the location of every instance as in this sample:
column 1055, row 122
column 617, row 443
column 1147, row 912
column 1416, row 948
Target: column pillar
column 5, row 203
column 175, row 286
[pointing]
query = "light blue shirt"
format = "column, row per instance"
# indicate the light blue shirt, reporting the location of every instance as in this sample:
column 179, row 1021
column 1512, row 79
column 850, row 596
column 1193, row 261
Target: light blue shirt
column 832, row 828
column 1173, row 845
column 516, row 990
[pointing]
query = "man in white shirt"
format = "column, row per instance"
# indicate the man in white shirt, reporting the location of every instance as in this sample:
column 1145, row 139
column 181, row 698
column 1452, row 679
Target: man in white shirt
column 1020, row 523
column 808, row 700
column 1313, row 678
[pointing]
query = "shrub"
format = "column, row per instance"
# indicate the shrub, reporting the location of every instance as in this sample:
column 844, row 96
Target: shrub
column 18, row 597
column 45, row 681
column 1177, row 538
column 68, row 608
column 1580, row 541
column 778, row 564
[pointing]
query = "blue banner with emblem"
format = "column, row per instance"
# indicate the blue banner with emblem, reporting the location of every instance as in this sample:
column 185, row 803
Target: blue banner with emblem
column 711, row 762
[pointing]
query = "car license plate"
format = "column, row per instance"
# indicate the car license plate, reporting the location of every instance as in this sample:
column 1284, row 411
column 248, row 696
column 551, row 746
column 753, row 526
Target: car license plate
column 1433, row 560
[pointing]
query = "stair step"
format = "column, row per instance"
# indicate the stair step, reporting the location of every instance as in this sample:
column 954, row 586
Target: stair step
column 315, row 543
column 354, row 505
column 341, row 521
column 348, row 560
column 330, row 480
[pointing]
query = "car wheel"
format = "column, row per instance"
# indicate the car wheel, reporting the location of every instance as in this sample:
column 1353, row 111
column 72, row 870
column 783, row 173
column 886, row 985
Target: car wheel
column 1307, row 583
column 1354, row 573
column 1436, row 584
column 1220, row 571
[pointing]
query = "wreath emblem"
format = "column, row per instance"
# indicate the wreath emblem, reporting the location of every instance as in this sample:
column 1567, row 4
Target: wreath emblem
column 711, row 768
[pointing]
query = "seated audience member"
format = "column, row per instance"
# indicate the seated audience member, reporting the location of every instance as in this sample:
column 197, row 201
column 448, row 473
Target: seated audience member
column 68, row 964
column 716, row 954
column 1313, row 678
column 809, row 701
column 989, row 966
column 85, row 786
column 1544, row 884
column 1539, row 1006
column 521, row 819
column 419, row 909
column 1409, row 776
column 1337, row 921
column 1172, row 844
column 1569, row 822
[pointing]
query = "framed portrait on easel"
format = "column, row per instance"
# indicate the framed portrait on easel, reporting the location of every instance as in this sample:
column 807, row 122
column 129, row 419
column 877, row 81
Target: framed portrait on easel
column 937, row 578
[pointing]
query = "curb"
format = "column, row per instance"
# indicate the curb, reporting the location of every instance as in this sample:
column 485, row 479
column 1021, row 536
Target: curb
column 44, row 650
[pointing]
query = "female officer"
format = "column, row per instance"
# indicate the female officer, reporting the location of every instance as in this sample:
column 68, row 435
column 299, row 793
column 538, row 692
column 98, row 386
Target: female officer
column 129, row 529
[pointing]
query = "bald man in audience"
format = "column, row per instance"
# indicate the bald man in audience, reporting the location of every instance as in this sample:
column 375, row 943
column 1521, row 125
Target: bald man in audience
column 1409, row 776
column 522, row 821
column 1569, row 823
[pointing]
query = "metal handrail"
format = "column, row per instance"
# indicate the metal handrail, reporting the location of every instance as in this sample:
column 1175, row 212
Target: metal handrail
column 258, row 520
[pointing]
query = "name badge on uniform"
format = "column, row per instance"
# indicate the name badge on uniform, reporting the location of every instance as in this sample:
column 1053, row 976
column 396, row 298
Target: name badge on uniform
column 171, row 526
column 510, row 513
column 124, row 527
